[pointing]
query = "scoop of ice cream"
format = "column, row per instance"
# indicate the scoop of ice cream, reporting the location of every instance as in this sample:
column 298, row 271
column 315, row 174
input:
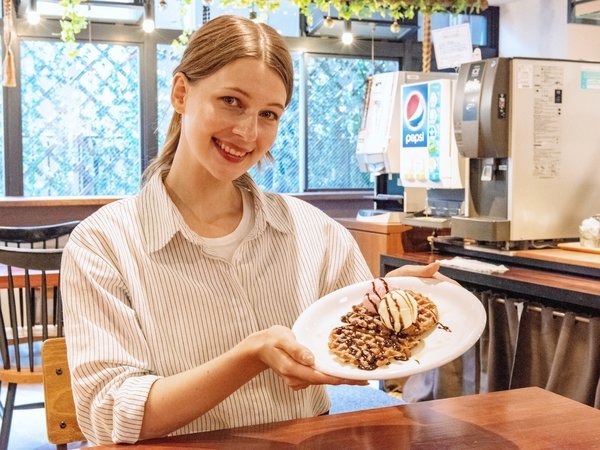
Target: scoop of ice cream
column 398, row 310
column 379, row 288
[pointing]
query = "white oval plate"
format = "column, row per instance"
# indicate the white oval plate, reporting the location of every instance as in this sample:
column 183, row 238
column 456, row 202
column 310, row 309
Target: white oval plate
column 459, row 310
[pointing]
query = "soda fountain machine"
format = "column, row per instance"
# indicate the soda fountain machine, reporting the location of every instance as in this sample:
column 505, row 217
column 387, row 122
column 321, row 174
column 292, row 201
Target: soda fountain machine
column 530, row 129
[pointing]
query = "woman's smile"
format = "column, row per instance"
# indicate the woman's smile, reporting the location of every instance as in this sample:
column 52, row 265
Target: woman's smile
column 229, row 152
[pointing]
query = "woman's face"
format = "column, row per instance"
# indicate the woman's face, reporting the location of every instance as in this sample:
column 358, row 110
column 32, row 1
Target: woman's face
column 229, row 119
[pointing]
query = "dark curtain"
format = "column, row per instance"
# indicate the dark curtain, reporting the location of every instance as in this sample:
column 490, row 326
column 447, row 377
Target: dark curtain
column 523, row 344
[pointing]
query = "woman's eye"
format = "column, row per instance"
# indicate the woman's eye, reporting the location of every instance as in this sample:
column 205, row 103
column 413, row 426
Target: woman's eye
column 230, row 101
column 269, row 115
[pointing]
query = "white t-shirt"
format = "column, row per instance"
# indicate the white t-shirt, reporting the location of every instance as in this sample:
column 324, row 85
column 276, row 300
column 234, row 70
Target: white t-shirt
column 226, row 246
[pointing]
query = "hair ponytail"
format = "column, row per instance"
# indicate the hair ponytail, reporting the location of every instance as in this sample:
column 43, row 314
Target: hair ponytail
column 164, row 160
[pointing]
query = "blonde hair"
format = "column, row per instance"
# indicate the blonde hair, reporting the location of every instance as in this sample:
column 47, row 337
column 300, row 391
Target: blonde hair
column 217, row 43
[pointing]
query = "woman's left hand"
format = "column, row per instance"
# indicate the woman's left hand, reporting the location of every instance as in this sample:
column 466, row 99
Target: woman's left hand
column 431, row 270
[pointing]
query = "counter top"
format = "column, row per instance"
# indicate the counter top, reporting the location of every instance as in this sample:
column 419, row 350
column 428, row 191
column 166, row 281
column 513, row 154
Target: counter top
column 562, row 256
column 579, row 290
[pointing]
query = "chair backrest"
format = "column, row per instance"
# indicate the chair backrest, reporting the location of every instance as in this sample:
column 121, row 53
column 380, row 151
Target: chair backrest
column 30, row 306
column 61, row 420
column 43, row 236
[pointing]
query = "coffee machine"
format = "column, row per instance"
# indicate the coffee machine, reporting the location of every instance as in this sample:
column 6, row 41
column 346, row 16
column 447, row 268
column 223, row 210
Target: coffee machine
column 531, row 131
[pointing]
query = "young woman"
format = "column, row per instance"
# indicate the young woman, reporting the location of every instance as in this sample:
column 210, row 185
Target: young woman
column 179, row 302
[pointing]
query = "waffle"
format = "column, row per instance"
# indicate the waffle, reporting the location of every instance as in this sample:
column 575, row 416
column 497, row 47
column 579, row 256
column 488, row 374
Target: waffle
column 427, row 317
column 365, row 342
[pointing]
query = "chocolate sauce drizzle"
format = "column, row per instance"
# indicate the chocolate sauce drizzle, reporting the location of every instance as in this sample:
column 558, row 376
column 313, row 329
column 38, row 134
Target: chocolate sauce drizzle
column 403, row 296
column 441, row 326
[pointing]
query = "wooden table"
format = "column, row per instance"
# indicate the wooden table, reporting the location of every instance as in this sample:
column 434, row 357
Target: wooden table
column 35, row 278
column 529, row 418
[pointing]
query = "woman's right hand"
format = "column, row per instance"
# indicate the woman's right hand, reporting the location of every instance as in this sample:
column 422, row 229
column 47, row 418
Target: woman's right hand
column 276, row 348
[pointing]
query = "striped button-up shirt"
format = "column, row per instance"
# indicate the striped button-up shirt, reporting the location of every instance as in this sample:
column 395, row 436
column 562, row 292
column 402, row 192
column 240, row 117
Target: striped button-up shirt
column 144, row 299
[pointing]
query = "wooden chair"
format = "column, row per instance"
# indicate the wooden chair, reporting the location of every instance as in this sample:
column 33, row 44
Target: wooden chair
column 44, row 236
column 20, row 345
column 61, row 420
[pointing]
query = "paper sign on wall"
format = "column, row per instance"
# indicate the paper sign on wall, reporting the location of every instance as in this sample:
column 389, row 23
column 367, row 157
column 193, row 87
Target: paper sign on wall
column 452, row 45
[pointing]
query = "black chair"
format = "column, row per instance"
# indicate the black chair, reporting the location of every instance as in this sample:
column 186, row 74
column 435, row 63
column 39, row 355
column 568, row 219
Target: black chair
column 44, row 236
column 20, row 345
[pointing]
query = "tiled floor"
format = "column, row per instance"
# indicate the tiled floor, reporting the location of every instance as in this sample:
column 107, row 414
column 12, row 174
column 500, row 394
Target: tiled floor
column 28, row 431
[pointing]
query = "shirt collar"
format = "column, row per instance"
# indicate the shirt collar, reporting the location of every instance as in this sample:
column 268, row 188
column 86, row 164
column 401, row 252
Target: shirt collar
column 161, row 219
column 267, row 207
column 159, row 215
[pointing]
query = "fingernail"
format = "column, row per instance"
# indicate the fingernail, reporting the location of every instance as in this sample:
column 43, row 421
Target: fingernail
column 307, row 358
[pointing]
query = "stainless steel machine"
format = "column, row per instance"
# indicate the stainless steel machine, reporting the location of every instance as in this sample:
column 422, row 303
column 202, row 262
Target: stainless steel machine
column 531, row 131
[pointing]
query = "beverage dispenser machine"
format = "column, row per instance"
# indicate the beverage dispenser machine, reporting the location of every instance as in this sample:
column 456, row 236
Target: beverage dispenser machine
column 530, row 128
column 380, row 140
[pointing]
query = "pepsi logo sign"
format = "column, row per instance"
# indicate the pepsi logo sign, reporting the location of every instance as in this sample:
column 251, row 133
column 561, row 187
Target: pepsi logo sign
column 414, row 111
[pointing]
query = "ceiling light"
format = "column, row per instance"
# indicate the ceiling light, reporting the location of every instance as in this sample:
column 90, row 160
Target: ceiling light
column 347, row 37
column 148, row 23
column 33, row 17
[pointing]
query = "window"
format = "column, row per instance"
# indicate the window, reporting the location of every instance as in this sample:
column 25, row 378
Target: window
column 331, row 135
column 336, row 88
column 80, row 119
column 86, row 128
column 167, row 59
column 282, row 175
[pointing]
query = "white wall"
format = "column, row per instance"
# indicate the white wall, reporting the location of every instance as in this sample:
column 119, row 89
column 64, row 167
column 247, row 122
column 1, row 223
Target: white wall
column 539, row 28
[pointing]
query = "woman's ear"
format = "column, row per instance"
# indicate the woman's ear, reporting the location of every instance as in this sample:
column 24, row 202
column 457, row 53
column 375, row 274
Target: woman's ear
column 178, row 92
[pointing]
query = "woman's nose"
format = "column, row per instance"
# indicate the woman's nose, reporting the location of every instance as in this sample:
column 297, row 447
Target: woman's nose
column 246, row 127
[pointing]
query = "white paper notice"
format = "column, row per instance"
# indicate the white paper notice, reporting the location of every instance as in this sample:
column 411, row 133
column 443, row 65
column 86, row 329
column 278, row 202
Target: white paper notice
column 452, row 45
column 548, row 82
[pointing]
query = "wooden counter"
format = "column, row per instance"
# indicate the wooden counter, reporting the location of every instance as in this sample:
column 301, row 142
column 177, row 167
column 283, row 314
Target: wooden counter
column 561, row 256
column 565, row 289
column 376, row 239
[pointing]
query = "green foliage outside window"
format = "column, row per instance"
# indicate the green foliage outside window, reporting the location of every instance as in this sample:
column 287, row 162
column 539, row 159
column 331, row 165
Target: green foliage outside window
column 335, row 101
column 80, row 119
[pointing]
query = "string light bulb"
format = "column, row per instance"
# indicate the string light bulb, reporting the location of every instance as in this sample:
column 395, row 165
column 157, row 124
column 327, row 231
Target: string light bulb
column 395, row 27
column 347, row 37
column 148, row 23
column 328, row 20
column 33, row 16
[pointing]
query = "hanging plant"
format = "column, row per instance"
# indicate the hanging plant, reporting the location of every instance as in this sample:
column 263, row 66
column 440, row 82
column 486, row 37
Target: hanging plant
column 362, row 9
column 182, row 40
column 71, row 24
